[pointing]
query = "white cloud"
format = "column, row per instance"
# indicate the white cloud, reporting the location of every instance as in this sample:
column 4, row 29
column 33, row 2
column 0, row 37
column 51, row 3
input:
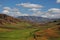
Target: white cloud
column 30, row 5
column 54, row 10
column 58, row 1
column 44, row 16
column 20, row 14
column 52, row 13
column 6, row 10
column 34, row 9
column 25, row 14
column 48, row 15
column 12, row 12
column 38, row 13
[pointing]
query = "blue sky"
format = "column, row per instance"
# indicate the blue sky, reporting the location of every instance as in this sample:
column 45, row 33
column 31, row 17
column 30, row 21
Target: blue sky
column 22, row 6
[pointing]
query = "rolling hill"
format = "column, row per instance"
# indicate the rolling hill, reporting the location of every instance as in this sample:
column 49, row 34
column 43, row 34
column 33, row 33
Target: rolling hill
column 52, row 32
column 22, row 29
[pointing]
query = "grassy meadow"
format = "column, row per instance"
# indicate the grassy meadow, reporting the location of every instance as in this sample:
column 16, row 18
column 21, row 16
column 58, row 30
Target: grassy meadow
column 18, row 31
column 26, row 31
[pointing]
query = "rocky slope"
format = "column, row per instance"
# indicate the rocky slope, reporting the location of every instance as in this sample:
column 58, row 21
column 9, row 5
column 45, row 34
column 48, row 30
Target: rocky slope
column 8, row 19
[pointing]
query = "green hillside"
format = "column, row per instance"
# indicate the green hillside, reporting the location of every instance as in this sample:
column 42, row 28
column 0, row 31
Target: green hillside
column 17, row 29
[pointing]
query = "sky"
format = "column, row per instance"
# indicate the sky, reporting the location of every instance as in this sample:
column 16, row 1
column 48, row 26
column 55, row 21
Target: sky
column 40, row 8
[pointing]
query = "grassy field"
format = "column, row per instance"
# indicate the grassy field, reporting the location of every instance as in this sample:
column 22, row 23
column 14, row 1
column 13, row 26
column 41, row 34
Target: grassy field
column 16, row 34
column 24, row 31
column 16, row 31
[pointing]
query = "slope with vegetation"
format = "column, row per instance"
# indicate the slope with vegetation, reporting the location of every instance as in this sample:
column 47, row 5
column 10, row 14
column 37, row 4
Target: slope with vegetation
column 16, row 29
column 52, row 32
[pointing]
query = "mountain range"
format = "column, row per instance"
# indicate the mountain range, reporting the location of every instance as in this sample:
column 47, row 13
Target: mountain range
column 8, row 19
column 35, row 19
column 28, row 27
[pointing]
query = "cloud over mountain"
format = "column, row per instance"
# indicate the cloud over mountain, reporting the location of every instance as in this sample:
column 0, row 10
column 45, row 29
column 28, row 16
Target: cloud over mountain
column 54, row 10
column 52, row 13
column 12, row 12
column 34, row 8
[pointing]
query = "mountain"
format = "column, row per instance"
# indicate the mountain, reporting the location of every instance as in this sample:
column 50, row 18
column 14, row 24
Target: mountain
column 8, row 19
column 34, row 19
column 24, row 30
